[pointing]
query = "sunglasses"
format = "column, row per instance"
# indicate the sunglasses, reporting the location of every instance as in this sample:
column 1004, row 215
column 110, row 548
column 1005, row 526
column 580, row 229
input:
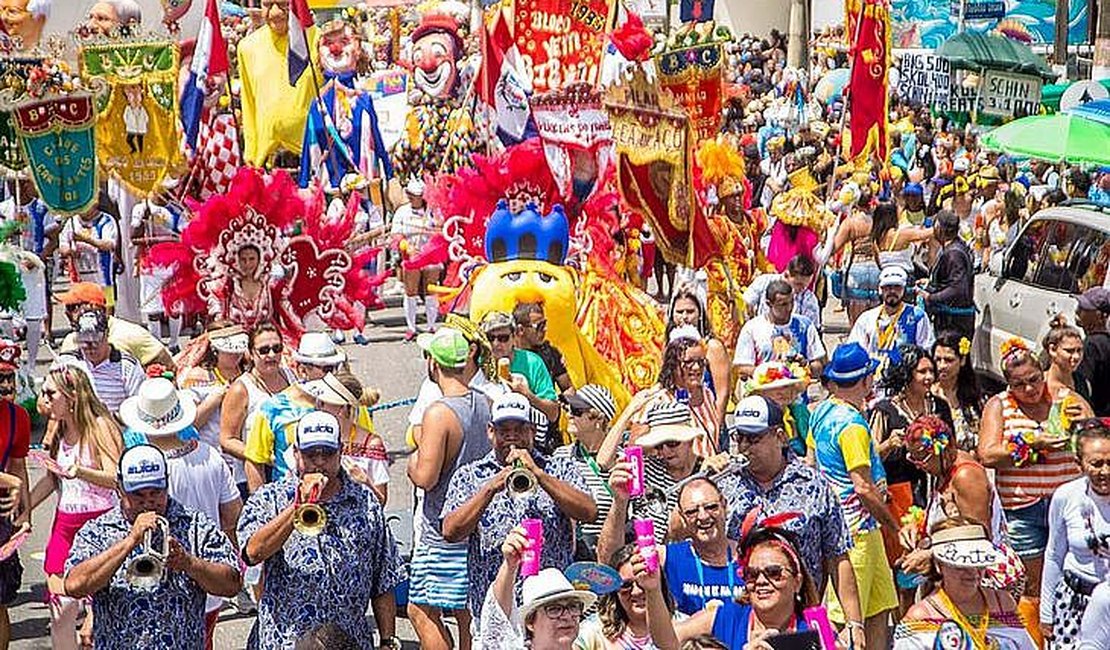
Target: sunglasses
column 559, row 610
column 711, row 509
column 773, row 572
column 626, row 586
column 499, row 338
column 693, row 363
column 49, row 393
column 539, row 327
column 1032, row 381
column 670, row 444
column 577, row 411
column 269, row 349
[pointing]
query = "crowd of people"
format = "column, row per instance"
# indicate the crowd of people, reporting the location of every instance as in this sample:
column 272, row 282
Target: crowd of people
column 758, row 476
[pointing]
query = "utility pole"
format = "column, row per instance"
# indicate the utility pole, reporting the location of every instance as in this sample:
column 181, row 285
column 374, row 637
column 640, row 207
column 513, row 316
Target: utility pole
column 1060, row 47
column 1101, row 67
column 797, row 43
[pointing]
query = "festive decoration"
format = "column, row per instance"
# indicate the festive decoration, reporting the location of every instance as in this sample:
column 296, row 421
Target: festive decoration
column 305, row 276
column 560, row 41
column 693, row 76
column 577, row 138
column 12, row 292
column 1020, row 447
column 869, row 27
column 965, row 346
column 136, row 129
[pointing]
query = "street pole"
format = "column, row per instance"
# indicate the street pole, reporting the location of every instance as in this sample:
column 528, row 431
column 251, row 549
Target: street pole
column 963, row 13
column 1101, row 67
column 1060, row 47
column 797, row 48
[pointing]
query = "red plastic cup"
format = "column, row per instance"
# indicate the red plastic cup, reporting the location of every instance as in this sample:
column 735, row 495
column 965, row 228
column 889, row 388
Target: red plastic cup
column 634, row 456
column 645, row 542
column 530, row 557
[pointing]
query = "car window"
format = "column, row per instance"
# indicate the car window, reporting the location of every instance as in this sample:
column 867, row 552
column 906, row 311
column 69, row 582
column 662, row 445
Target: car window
column 1060, row 256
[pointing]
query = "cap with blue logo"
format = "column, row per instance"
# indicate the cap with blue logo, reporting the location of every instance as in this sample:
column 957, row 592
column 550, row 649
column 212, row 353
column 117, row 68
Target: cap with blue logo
column 142, row 467
column 318, row 430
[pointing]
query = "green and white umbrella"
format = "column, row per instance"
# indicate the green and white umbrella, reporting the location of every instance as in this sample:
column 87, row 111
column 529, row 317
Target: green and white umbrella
column 1060, row 137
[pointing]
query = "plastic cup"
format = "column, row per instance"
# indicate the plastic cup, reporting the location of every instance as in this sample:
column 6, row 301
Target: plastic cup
column 645, row 542
column 634, row 456
column 530, row 557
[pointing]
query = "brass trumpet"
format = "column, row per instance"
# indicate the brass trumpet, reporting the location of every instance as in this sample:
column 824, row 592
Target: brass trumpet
column 521, row 480
column 310, row 518
column 146, row 570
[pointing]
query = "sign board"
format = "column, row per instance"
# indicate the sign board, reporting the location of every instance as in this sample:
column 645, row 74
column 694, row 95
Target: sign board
column 1081, row 92
column 924, row 79
column 980, row 10
column 560, row 41
column 1010, row 95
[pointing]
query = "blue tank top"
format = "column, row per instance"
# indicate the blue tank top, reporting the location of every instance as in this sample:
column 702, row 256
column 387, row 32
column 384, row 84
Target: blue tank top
column 730, row 625
column 694, row 583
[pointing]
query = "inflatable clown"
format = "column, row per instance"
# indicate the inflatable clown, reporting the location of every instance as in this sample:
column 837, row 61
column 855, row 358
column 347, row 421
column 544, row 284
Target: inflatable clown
column 439, row 132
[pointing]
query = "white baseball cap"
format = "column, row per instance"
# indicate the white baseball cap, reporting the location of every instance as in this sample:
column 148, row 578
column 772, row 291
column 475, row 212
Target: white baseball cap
column 318, row 430
column 893, row 276
column 510, row 407
column 142, row 467
column 756, row 414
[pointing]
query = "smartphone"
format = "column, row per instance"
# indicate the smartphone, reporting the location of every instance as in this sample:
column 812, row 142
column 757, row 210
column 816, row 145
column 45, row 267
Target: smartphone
column 807, row 640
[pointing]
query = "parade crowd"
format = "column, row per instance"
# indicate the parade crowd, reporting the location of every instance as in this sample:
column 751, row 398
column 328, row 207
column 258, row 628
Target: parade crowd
column 775, row 483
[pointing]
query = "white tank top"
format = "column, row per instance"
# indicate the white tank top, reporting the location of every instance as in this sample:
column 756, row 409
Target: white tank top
column 78, row 495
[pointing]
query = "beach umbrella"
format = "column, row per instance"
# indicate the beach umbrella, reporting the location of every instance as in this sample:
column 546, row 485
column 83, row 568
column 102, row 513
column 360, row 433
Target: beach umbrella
column 1063, row 137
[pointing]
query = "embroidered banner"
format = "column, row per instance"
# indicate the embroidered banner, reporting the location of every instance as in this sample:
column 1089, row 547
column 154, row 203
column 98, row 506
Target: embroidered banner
column 571, row 123
column 560, row 41
column 59, row 143
column 136, row 129
column 693, row 76
column 13, row 78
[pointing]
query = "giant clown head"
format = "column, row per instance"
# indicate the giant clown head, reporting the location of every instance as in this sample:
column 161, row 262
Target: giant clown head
column 339, row 47
column 436, row 49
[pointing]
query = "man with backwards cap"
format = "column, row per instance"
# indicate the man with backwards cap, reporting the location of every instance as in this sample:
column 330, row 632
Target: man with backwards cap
column 169, row 615
column 115, row 375
column 480, row 509
column 880, row 330
column 126, row 336
column 329, row 577
column 777, row 481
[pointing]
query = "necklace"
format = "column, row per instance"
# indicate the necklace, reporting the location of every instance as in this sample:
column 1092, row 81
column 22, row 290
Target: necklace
column 978, row 633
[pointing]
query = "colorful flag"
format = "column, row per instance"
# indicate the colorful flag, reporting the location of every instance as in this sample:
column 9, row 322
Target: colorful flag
column 500, row 87
column 209, row 58
column 300, row 19
column 869, row 29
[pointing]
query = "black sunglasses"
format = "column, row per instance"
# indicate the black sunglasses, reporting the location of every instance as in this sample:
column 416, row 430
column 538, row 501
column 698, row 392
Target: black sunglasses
column 774, row 573
column 269, row 349
column 499, row 338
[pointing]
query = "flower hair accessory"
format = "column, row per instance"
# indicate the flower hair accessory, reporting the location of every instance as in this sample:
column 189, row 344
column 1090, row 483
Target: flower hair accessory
column 930, row 431
column 1011, row 346
column 1020, row 447
column 965, row 346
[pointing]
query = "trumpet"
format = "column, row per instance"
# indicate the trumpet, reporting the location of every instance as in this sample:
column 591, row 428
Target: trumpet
column 310, row 518
column 521, row 480
column 146, row 570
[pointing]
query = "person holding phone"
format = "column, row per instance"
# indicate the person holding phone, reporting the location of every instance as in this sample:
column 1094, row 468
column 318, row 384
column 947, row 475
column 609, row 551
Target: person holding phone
column 777, row 591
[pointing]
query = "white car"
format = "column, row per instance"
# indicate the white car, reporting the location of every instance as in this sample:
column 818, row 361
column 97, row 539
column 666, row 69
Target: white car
column 1059, row 253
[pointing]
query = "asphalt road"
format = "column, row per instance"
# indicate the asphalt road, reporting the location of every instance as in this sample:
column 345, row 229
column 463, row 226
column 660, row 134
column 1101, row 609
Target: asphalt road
column 387, row 363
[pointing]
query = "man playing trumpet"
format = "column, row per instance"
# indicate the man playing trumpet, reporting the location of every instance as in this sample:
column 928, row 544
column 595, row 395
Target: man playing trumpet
column 117, row 554
column 326, row 549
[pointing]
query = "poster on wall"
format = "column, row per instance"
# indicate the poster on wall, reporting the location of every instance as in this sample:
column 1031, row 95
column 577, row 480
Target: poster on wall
column 928, row 23
column 560, row 41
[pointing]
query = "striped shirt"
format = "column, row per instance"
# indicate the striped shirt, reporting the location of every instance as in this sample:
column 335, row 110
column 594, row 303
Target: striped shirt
column 115, row 379
column 598, row 485
column 1025, row 485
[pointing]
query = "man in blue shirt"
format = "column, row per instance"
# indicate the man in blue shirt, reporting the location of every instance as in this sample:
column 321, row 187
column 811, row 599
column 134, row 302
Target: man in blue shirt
column 169, row 615
column 325, row 576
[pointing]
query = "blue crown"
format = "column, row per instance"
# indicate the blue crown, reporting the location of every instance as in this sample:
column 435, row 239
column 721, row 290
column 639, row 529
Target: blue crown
column 527, row 235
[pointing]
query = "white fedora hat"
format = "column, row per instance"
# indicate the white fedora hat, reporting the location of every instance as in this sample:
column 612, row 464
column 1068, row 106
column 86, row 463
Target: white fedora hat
column 550, row 585
column 317, row 349
column 159, row 409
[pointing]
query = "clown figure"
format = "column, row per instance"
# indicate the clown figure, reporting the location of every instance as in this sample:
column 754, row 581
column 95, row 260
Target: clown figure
column 439, row 133
column 341, row 135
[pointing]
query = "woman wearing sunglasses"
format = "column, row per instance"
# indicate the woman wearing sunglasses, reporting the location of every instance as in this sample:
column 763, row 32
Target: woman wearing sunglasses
column 84, row 452
column 682, row 377
column 1031, row 460
column 687, row 309
column 962, row 613
column 1078, row 537
column 623, row 617
column 777, row 590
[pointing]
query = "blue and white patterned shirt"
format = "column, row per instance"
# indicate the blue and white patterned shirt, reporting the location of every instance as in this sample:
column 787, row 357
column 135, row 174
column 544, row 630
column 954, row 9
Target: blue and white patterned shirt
column 169, row 617
column 820, row 530
column 505, row 512
column 329, row 578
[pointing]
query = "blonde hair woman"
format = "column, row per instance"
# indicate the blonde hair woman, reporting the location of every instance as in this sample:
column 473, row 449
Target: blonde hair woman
column 83, row 445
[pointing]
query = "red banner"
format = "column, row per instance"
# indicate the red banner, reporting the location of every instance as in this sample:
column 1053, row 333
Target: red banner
column 869, row 29
column 560, row 41
column 693, row 76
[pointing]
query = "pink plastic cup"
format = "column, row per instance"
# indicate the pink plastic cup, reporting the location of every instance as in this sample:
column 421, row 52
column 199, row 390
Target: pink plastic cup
column 634, row 456
column 645, row 542
column 530, row 556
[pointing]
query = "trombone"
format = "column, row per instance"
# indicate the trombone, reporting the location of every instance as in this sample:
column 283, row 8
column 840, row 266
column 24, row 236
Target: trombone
column 310, row 518
column 146, row 570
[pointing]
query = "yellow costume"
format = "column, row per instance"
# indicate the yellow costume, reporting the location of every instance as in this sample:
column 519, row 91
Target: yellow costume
column 274, row 112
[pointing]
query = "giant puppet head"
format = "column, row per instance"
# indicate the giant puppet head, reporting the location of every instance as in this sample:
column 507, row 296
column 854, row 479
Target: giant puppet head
column 23, row 20
column 436, row 50
column 339, row 47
